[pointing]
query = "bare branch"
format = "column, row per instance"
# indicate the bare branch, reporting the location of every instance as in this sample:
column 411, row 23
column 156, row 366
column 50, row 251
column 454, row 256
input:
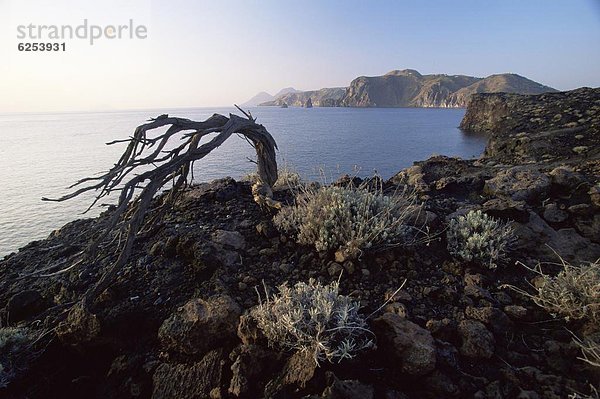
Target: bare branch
column 167, row 166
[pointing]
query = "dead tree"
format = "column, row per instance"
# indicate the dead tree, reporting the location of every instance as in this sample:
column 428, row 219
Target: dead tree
column 129, row 218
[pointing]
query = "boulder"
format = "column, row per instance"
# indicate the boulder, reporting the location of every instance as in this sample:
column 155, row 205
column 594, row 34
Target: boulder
column 297, row 371
column 589, row 227
column 516, row 312
column 520, row 183
column 411, row 346
column 229, row 239
column 566, row 177
column 221, row 190
column 412, row 176
column 533, row 236
column 188, row 381
column 200, row 325
column 477, row 341
column 250, row 362
column 553, row 214
column 506, row 208
column 24, row 305
column 346, row 389
column 80, row 328
column 496, row 319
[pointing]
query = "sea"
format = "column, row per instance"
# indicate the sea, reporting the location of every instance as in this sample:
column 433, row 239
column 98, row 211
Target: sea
column 41, row 154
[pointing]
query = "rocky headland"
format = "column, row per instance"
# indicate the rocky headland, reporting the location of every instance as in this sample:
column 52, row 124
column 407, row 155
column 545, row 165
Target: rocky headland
column 409, row 88
column 175, row 323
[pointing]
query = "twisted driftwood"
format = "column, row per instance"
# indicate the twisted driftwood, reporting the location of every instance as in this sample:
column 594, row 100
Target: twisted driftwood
column 173, row 165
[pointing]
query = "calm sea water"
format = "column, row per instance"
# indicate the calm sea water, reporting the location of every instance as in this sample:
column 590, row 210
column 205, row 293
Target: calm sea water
column 41, row 154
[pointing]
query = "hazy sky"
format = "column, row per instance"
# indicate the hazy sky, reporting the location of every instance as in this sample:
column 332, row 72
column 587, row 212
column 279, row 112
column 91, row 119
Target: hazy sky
column 211, row 53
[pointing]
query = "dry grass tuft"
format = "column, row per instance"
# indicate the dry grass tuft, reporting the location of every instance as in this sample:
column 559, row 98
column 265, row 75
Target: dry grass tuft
column 574, row 293
column 590, row 349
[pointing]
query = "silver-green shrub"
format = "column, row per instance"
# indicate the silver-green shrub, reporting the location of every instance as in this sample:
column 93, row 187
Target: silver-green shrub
column 351, row 219
column 315, row 318
column 477, row 237
column 12, row 342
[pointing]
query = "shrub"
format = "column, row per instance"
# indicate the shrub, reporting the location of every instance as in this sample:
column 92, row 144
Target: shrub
column 477, row 237
column 13, row 341
column 574, row 293
column 350, row 219
column 315, row 318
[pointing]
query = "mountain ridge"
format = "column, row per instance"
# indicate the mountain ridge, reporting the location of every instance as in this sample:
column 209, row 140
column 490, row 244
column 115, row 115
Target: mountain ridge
column 409, row 88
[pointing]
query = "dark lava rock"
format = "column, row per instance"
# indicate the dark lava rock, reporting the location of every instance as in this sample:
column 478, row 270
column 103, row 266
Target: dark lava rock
column 24, row 305
column 200, row 325
column 477, row 341
column 297, row 371
column 346, row 389
column 553, row 214
column 409, row 345
column 520, row 183
column 496, row 319
column 81, row 327
column 229, row 239
column 197, row 380
column 566, row 177
column 504, row 208
column 250, row 364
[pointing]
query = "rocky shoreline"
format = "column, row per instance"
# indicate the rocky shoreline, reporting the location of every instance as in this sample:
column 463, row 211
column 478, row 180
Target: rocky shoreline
column 175, row 324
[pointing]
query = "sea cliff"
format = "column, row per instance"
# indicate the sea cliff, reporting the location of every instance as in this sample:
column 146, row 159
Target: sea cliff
column 409, row 88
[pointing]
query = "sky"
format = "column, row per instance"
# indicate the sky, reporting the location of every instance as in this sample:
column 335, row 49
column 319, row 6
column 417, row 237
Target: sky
column 216, row 53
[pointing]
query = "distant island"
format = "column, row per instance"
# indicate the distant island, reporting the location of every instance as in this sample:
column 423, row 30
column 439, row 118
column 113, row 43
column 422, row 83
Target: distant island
column 403, row 88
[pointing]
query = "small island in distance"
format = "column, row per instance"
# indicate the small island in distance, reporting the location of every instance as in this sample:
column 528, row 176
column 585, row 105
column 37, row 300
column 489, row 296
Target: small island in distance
column 403, row 88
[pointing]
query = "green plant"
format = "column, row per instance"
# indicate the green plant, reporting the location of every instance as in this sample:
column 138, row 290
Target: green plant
column 477, row 237
column 13, row 341
column 315, row 318
column 350, row 219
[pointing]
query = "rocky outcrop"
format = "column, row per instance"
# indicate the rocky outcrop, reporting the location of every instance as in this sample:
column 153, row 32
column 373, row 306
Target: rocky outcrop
column 327, row 97
column 550, row 126
column 409, row 345
column 198, row 380
column 200, row 325
column 408, row 88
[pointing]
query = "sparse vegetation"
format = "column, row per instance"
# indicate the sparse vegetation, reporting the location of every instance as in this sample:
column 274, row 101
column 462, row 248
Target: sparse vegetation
column 315, row 318
column 351, row 219
column 287, row 178
column 12, row 343
column 574, row 293
column 477, row 237
column 590, row 349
